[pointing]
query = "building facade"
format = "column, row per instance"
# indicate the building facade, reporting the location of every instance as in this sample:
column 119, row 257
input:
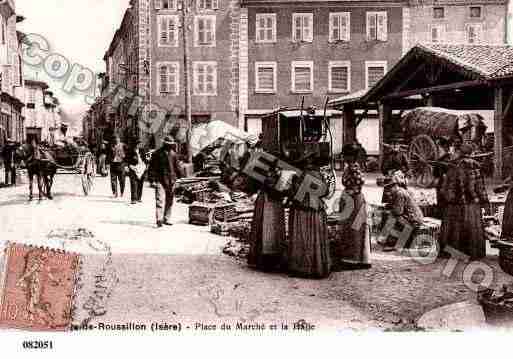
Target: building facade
column 213, row 58
column 313, row 49
column 458, row 22
column 42, row 112
column 11, row 72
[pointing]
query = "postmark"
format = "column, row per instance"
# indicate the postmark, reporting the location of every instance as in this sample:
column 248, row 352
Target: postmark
column 38, row 288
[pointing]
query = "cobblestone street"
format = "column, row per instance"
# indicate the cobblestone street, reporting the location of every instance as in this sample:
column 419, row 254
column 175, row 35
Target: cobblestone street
column 178, row 274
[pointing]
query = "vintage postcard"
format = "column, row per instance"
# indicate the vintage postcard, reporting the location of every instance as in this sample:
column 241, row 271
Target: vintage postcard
column 288, row 168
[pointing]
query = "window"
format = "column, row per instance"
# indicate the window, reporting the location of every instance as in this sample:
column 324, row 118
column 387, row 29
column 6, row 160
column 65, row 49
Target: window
column 208, row 4
column 340, row 25
column 437, row 33
column 302, row 27
column 205, row 78
column 475, row 12
column 165, row 4
column 377, row 26
column 339, row 76
column 473, row 33
column 16, row 70
column 302, row 76
column 265, row 27
column 32, row 96
column 168, row 30
column 205, row 30
column 265, row 77
column 168, row 78
column 4, row 30
column 438, row 13
column 374, row 71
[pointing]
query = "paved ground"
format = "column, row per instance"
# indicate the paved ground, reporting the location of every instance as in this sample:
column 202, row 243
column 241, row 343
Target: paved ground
column 178, row 274
column 175, row 274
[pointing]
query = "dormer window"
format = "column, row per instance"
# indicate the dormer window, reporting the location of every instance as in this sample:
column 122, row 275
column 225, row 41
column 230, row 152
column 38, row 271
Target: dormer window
column 438, row 13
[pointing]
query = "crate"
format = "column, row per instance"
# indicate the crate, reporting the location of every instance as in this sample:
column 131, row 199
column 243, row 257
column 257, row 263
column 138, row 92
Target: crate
column 224, row 213
column 201, row 213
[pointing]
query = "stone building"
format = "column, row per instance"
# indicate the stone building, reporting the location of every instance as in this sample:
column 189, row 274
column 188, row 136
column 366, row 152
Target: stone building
column 11, row 75
column 457, row 22
column 314, row 49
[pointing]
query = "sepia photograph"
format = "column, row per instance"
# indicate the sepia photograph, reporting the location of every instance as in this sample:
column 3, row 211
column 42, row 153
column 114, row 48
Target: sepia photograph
column 272, row 168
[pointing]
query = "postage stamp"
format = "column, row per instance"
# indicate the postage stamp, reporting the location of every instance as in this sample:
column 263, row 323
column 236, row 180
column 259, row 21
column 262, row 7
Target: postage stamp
column 38, row 288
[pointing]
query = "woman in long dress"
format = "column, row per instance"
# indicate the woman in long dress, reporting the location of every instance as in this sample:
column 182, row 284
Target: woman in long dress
column 308, row 249
column 267, row 236
column 353, row 246
column 465, row 194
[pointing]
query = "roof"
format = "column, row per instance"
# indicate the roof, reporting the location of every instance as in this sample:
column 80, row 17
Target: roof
column 484, row 63
column 486, row 60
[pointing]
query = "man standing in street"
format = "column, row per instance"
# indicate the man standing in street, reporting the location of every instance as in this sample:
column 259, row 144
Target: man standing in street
column 117, row 167
column 164, row 171
column 9, row 165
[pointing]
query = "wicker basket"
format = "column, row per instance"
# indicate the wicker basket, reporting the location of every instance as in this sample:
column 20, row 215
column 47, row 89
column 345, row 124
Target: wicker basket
column 495, row 313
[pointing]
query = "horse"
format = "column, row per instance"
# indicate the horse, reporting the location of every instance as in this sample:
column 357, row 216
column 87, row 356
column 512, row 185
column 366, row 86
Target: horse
column 40, row 163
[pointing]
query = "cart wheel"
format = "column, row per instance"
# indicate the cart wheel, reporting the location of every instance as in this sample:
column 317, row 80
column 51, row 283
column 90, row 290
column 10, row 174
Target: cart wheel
column 87, row 176
column 423, row 149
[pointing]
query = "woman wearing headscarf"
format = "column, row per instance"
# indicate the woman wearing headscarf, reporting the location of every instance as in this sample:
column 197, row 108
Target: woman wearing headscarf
column 465, row 193
column 308, row 251
column 353, row 246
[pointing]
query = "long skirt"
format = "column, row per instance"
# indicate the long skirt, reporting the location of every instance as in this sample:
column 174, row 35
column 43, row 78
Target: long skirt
column 308, row 251
column 267, row 238
column 353, row 247
column 507, row 220
column 462, row 229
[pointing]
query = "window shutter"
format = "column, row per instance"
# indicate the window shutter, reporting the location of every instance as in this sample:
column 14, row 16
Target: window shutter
column 375, row 73
column 368, row 25
column 266, row 78
column 163, row 79
column 346, row 28
column 339, row 78
column 302, row 80
column 172, row 30
column 479, row 33
column 296, row 32
column 382, row 28
column 334, row 30
column 158, row 4
column 211, row 31
column 163, row 31
column 308, row 29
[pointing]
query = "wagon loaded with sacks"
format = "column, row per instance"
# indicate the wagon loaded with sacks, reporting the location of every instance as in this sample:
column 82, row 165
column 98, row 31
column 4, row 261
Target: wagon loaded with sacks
column 424, row 126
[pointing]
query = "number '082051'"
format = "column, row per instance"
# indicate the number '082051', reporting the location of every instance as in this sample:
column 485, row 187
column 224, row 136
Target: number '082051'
column 37, row 344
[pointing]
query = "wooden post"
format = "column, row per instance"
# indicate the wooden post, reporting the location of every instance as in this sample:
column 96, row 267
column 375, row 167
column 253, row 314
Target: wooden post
column 385, row 112
column 498, row 133
column 349, row 127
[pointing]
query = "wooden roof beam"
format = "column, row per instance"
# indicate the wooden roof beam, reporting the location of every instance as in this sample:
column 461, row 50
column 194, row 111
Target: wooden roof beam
column 440, row 88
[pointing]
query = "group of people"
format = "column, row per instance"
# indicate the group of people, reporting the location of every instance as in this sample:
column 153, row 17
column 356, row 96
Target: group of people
column 460, row 193
column 303, row 249
column 161, row 168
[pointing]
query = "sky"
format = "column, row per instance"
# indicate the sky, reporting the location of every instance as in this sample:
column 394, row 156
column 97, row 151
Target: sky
column 79, row 30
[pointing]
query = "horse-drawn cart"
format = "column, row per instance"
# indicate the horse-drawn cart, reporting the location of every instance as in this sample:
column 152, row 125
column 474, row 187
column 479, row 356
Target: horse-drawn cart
column 424, row 126
column 44, row 162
